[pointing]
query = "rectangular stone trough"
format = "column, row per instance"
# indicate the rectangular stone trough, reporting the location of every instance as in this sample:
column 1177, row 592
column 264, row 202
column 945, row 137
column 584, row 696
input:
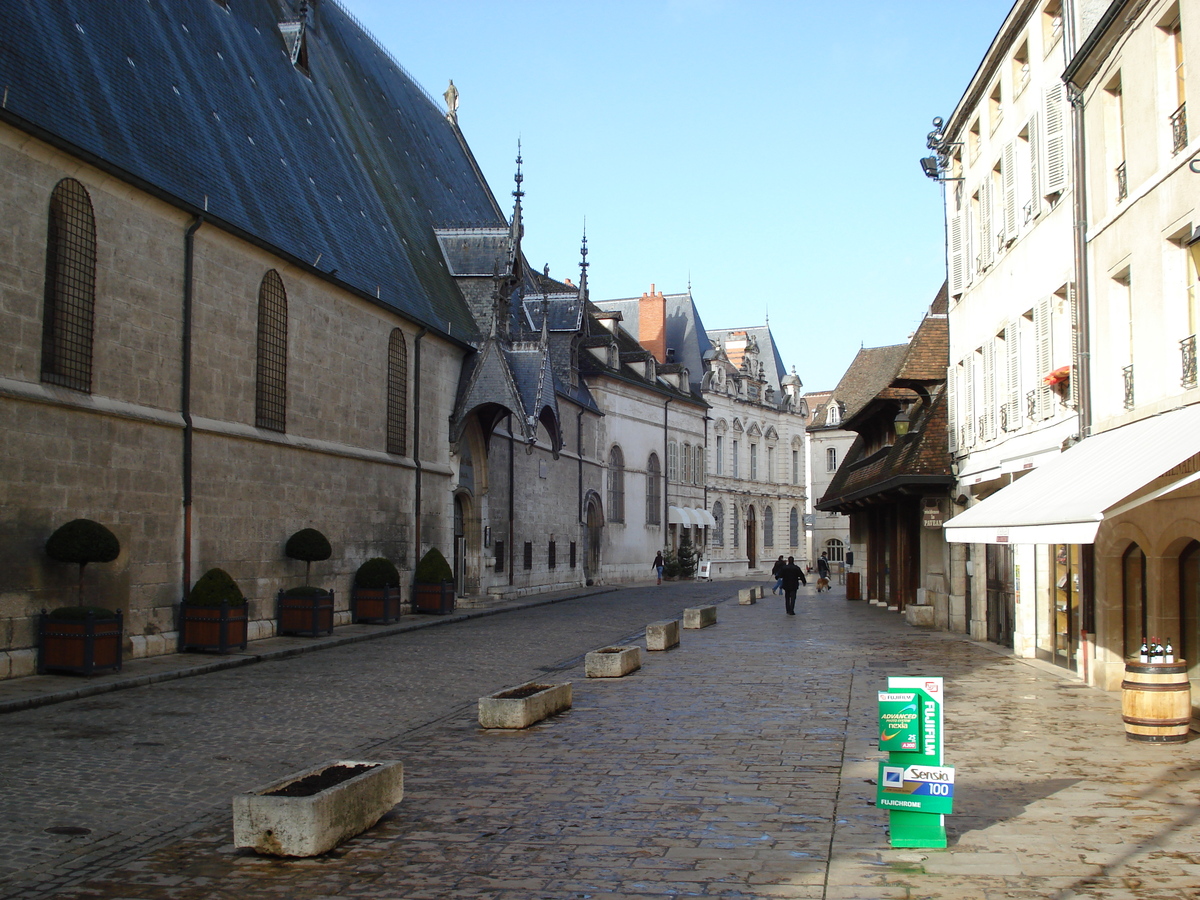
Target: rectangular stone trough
column 747, row 596
column 699, row 616
column 612, row 662
column 662, row 635
column 312, row 812
column 524, row 705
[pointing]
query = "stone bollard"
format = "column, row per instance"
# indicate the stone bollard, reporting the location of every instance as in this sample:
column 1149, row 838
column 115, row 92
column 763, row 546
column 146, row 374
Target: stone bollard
column 746, row 597
column 662, row 635
column 699, row 616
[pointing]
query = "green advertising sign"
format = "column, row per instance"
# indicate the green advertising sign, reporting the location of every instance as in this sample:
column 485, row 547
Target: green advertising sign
column 913, row 785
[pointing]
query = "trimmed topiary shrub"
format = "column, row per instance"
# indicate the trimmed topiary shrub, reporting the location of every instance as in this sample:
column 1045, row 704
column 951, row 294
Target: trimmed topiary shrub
column 214, row 586
column 81, row 612
column 377, row 573
column 309, row 546
column 82, row 541
column 433, row 568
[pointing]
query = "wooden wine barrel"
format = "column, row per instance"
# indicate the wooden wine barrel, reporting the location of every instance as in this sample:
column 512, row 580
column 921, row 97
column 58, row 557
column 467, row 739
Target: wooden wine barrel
column 1156, row 702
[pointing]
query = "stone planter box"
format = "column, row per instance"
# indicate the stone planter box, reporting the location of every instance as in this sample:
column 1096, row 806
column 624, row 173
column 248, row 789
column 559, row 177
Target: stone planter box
column 919, row 616
column 308, row 615
column 524, row 705
column 746, row 597
column 699, row 616
column 274, row 821
column 612, row 662
column 80, row 646
column 375, row 605
column 662, row 635
column 221, row 628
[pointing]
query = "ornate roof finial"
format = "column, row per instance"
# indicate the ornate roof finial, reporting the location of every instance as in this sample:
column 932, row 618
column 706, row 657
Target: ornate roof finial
column 583, row 263
column 518, row 227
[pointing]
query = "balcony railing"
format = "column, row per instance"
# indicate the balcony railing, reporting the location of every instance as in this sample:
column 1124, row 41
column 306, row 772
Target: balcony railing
column 1187, row 351
column 1122, row 183
column 1179, row 135
column 1127, row 374
column 1031, row 405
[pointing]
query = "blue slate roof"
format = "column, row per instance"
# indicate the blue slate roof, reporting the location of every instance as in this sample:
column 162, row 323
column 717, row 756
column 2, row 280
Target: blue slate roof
column 346, row 168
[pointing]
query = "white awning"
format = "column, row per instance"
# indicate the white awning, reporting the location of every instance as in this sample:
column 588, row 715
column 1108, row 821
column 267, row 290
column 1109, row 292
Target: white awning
column 679, row 515
column 704, row 517
column 1064, row 500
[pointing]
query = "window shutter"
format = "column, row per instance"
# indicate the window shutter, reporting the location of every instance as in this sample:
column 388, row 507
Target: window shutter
column 986, row 234
column 954, row 264
column 1035, row 168
column 1010, row 192
column 1041, row 333
column 968, row 404
column 1056, row 144
column 952, row 407
column 1073, row 384
column 988, row 413
column 1012, row 347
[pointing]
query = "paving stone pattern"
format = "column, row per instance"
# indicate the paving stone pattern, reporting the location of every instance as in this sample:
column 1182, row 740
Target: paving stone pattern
column 737, row 765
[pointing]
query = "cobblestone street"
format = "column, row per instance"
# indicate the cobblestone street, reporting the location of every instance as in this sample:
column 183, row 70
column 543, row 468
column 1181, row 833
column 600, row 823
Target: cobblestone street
column 737, row 765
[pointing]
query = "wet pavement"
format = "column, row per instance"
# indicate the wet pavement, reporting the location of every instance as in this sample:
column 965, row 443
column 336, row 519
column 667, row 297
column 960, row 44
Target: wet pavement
column 738, row 765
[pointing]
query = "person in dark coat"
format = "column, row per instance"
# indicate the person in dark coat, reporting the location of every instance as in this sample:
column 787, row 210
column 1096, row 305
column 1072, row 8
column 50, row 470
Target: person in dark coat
column 658, row 565
column 775, row 570
column 792, row 577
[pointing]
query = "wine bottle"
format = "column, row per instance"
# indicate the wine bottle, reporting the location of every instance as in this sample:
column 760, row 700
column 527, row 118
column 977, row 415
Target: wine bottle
column 1144, row 656
column 1169, row 652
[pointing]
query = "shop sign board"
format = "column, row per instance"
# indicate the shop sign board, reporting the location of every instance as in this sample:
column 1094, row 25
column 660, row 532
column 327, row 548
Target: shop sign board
column 926, row 789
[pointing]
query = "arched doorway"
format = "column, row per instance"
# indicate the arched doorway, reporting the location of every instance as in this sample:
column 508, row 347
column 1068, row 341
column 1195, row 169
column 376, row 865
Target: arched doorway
column 594, row 523
column 751, row 544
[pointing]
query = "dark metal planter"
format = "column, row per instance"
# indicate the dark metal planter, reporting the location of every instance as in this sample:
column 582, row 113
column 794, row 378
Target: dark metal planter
column 376, row 605
column 220, row 628
column 80, row 646
column 307, row 616
column 434, row 598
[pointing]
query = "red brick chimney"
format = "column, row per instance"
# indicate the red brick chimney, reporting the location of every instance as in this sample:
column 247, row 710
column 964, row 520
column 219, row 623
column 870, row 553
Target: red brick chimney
column 652, row 324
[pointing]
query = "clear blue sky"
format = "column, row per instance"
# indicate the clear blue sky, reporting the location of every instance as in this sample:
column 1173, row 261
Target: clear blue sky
column 765, row 150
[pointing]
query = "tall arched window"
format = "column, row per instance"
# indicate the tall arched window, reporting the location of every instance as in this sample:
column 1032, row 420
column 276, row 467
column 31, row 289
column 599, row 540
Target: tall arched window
column 1133, row 579
column 672, row 461
column 737, row 531
column 794, row 528
column 68, row 317
column 397, row 395
column 831, row 459
column 1189, row 611
column 270, row 401
column 835, row 550
column 718, row 530
column 653, row 491
column 769, row 527
column 616, row 485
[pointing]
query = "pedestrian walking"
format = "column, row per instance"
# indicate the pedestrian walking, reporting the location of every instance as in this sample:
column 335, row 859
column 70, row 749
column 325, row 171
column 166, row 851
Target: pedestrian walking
column 792, row 576
column 775, row 570
column 823, row 574
column 659, row 565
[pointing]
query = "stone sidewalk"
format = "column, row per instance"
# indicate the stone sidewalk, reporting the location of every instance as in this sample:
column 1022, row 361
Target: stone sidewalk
column 739, row 765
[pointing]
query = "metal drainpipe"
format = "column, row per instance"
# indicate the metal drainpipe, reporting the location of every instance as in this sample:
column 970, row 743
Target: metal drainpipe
column 417, row 444
column 512, row 519
column 666, row 474
column 579, row 454
column 185, row 398
column 1083, row 319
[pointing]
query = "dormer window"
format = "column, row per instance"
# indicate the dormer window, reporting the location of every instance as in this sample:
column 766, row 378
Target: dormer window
column 834, row 415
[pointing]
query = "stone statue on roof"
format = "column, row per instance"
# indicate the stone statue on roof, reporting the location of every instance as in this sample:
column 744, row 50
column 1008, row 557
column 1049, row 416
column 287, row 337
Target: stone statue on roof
column 451, row 96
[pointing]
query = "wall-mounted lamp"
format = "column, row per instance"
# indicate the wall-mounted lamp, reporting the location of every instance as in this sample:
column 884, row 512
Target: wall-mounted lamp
column 935, row 166
column 902, row 423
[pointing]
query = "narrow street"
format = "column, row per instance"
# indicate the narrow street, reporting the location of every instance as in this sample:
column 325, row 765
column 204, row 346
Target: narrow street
column 737, row 765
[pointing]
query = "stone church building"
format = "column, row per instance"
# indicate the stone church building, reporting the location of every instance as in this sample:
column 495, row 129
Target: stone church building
column 252, row 280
